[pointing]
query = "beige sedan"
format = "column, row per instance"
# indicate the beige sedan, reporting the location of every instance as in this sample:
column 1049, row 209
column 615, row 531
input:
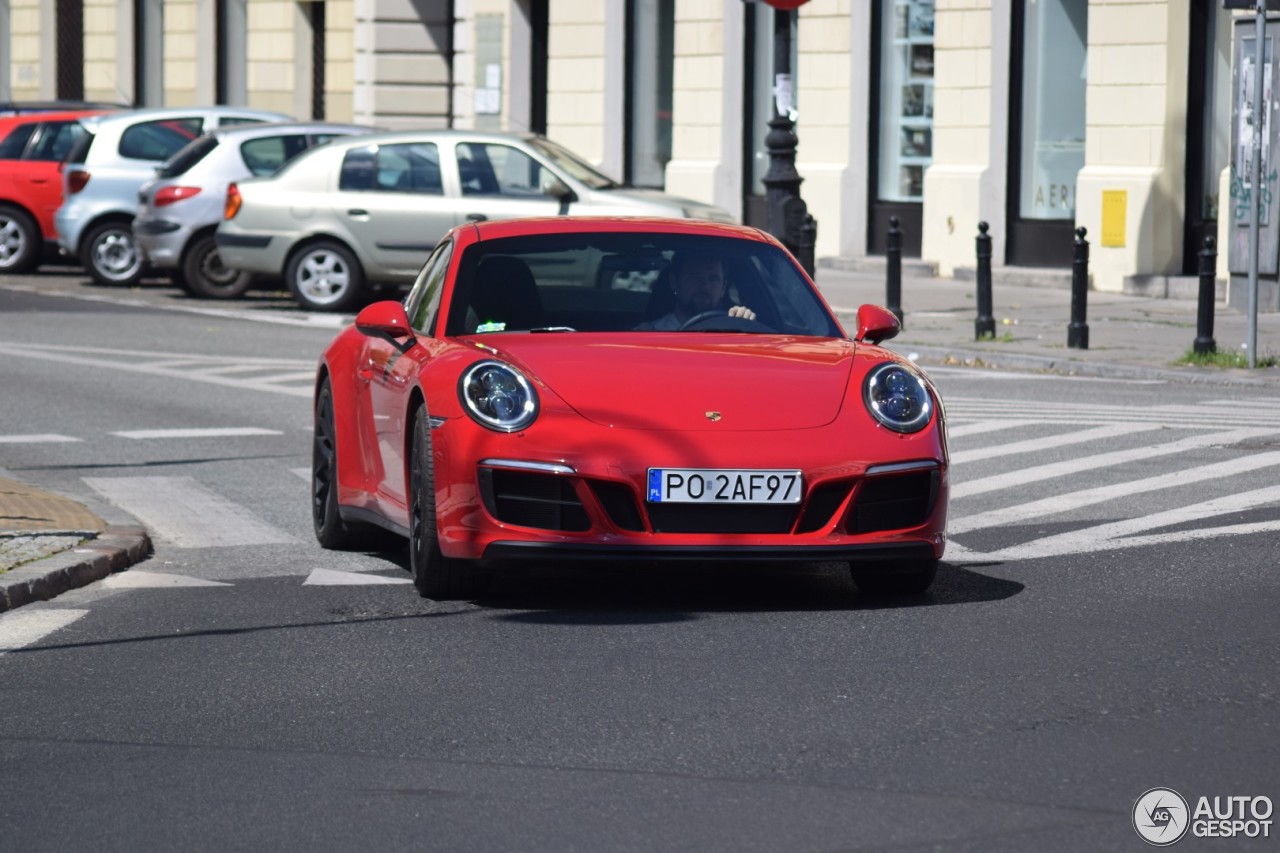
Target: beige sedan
column 364, row 212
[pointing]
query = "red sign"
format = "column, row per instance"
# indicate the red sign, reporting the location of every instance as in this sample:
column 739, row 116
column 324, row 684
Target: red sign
column 786, row 5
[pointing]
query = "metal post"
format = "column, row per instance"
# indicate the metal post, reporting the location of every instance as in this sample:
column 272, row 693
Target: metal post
column 1078, row 331
column 787, row 212
column 808, row 242
column 1204, row 342
column 985, row 325
column 1255, row 177
column 893, row 270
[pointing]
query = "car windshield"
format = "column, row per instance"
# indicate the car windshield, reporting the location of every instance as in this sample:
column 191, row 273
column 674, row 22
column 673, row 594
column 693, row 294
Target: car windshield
column 578, row 168
column 627, row 282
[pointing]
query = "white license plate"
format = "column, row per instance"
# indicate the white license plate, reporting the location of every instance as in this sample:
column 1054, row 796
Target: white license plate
column 729, row 486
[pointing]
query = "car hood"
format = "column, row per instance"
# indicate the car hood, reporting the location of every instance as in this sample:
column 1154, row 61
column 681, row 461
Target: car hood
column 688, row 381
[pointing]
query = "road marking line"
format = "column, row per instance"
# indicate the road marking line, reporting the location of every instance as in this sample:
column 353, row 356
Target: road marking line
column 198, row 432
column 1034, row 445
column 329, row 577
column 980, row 427
column 304, row 473
column 185, row 514
column 36, row 438
column 1102, row 460
column 20, row 628
column 155, row 580
column 1087, row 497
column 1107, row 537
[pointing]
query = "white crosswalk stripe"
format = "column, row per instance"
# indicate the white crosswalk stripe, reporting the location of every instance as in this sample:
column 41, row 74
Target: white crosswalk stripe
column 1199, row 416
column 294, row 377
column 22, row 628
column 182, row 512
column 1033, row 445
column 37, row 438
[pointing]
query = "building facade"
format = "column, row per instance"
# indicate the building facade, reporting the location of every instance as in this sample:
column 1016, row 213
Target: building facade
column 1035, row 116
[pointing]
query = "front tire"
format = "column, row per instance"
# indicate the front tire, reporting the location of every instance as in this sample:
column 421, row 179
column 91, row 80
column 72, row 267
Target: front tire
column 206, row 276
column 19, row 241
column 325, row 276
column 905, row 578
column 435, row 575
column 111, row 256
column 331, row 532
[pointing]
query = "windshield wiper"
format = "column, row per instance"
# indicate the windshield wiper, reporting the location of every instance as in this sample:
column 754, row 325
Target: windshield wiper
column 554, row 329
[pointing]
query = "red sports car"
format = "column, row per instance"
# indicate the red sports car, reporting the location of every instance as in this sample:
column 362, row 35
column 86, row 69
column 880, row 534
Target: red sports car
column 637, row 388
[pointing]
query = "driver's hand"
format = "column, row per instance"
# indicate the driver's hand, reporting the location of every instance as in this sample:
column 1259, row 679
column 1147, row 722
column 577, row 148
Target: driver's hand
column 742, row 311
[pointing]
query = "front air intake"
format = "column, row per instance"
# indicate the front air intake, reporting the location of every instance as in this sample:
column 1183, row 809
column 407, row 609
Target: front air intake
column 531, row 499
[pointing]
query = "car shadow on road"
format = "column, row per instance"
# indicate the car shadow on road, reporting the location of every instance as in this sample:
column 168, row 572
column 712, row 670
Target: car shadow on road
column 638, row 593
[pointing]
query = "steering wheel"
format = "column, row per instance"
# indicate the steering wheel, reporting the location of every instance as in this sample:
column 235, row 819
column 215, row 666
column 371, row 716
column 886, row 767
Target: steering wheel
column 720, row 321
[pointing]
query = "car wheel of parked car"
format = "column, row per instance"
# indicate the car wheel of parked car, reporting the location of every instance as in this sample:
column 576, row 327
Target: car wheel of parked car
column 205, row 275
column 435, row 575
column 897, row 579
column 325, row 276
column 19, row 241
column 110, row 255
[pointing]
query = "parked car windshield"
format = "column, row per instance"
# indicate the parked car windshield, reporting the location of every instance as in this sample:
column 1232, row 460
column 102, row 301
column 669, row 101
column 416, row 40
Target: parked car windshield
column 623, row 282
column 571, row 163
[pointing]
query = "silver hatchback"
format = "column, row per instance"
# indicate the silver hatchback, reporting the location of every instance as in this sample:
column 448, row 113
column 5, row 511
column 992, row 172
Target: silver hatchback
column 179, row 209
column 367, row 212
column 107, row 165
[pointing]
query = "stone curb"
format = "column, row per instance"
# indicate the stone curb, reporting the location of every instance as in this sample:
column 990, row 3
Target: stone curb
column 1073, row 367
column 113, row 550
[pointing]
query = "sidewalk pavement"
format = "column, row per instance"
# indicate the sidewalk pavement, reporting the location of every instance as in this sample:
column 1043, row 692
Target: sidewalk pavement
column 49, row 544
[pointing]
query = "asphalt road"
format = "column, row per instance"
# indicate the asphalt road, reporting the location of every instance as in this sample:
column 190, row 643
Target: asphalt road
column 1105, row 624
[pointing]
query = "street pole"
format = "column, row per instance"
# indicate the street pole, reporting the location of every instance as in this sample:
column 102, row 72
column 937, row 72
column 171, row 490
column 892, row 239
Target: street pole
column 1255, row 177
column 786, row 210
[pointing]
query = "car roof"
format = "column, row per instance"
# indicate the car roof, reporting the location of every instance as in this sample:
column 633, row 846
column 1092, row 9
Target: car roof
column 496, row 229
column 49, row 115
column 161, row 113
column 440, row 134
column 251, row 131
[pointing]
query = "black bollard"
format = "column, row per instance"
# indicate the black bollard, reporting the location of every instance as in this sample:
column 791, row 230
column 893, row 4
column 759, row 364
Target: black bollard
column 1078, row 331
column 893, row 270
column 808, row 240
column 1204, row 342
column 985, row 325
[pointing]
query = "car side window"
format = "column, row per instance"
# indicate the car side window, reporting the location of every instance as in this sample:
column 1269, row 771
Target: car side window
column 412, row 167
column 12, row 146
column 236, row 121
column 494, row 169
column 159, row 140
column 424, row 300
column 265, row 155
column 56, row 139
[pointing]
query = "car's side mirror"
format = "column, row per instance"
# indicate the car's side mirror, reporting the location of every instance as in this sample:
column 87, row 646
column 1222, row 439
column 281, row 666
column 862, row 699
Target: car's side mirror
column 388, row 321
column 876, row 324
column 553, row 187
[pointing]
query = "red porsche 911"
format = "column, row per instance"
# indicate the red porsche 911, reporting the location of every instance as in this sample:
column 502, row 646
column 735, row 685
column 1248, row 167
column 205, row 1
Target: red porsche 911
column 596, row 388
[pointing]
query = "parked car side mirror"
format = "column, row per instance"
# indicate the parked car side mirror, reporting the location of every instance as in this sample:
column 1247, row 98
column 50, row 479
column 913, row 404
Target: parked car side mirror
column 876, row 324
column 387, row 320
column 553, row 187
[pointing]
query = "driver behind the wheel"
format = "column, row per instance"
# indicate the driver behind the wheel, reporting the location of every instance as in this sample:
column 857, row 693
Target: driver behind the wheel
column 699, row 286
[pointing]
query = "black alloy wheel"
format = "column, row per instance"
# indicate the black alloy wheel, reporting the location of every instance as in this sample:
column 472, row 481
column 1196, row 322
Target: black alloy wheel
column 435, row 575
column 330, row 530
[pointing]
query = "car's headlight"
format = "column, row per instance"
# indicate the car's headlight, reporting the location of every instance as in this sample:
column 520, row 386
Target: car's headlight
column 498, row 396
column 897, row 398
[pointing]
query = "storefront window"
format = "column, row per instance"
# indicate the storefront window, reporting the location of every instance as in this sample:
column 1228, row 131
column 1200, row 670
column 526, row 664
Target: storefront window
column 1055, row 55
column 1217, row 111
column 652, row 62
column 906, row 98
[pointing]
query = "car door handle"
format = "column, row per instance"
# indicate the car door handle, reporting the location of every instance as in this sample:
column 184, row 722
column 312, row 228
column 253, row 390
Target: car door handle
column 357, row 211
column 476, row 217
column 39, row 180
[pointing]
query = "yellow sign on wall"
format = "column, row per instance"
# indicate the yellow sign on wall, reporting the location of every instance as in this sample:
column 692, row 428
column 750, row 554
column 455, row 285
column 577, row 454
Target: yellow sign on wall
column 1115, row 205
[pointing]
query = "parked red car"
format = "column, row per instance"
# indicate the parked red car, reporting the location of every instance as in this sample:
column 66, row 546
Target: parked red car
column 626, row 388
column 32, row 148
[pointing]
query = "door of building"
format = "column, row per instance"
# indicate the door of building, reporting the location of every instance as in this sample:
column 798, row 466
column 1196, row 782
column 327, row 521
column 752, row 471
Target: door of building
column 1046, row 129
